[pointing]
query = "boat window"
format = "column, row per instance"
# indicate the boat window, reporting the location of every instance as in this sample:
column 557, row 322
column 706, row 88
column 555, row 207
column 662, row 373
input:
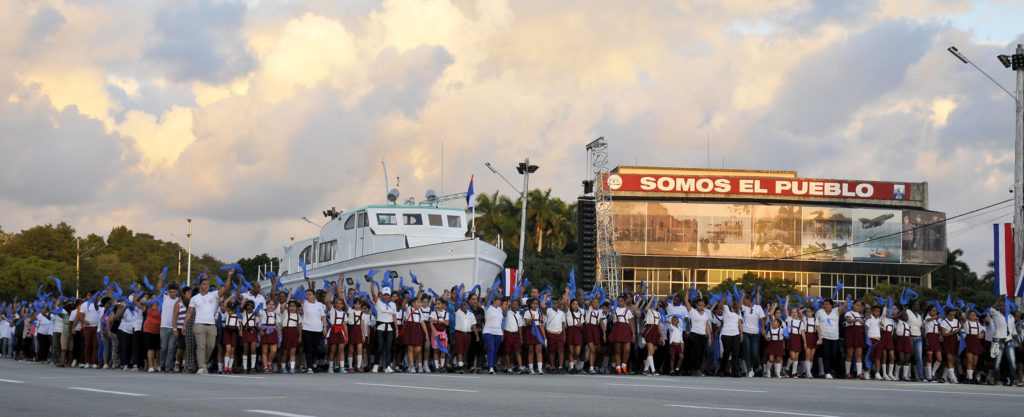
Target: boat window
column 412, row 219
column 327, row 250
column 454, row 221
column 306, row 255
column 363, row 220
column 387, row 219
column 435, row 220
column 350, row 222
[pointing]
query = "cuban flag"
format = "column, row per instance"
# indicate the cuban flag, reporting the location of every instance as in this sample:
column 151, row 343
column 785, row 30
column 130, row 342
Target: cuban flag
column 510, row 281
column 469, row 195
column 1004, row 257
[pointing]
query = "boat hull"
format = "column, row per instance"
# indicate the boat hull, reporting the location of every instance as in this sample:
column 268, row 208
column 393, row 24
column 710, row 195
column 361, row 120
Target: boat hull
column 438, row 266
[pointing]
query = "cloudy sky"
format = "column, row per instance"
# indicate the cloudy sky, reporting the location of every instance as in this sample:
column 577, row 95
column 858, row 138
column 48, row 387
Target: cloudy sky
column 247, row 116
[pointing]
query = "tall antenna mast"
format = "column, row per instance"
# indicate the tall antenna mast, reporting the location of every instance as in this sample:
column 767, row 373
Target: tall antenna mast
column 608, row 272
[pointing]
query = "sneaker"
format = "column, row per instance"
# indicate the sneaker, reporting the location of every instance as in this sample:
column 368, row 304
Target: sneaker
column 491, row 371
column 879, row 377
column 828, row 376
column 74, row 363
column 309, row 371
column 330, row 370
column 388, row 370
column 201, row 371
column 374, row 368
column 151, row 370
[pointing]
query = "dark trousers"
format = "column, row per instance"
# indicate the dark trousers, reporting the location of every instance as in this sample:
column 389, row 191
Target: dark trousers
column 731, row 348
column 124, row 341
column 310, row 345
column 697, row 350
column 751, row 350
column 78, row 350
column 385, row 339
column 43, row 347
column 831, row 355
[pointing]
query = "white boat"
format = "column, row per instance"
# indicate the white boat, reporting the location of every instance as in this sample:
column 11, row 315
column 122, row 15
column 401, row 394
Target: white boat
column 428, row 240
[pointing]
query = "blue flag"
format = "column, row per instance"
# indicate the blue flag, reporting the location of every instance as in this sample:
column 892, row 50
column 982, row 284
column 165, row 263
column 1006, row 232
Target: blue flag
column 469, row 195
column 572, row 282
column 302, row 263
column 59, row 290
column 145, row 280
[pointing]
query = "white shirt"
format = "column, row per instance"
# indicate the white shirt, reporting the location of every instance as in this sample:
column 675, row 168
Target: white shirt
column 675, row 334
column 257, row 299
column 312, row 315
column 554, row 320
column 337, row 317
column 137, row 319
column 622, row 315
column 464, row 321
column 385, row 313
column 949, row 325
column 44, row 325
column 92, row 314
column 914, row 321
column 58, row 322
column 796, row 325
column 492, row 320
column 205, row 307
column 873, row 326
column 671, row 310
column 851, row 317
column 127, row 321
column 828, row 323
column 439, row 316
column 751, row 319
column 698, row 321
column 167, row 313
column 594, row 316
column 575, row 318
column 513, row 321
column 5, row 329
column 730, row 323
column 1000, row 331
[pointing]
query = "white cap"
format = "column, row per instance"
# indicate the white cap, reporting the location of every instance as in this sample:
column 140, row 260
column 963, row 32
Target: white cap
column 385, row 291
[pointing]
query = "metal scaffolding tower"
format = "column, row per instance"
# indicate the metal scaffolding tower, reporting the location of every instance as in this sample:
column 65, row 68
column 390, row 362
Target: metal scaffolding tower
column 609, row 274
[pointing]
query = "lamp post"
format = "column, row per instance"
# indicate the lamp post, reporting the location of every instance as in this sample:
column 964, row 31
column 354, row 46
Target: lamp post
column 525, row 169
column 188, row 269
column 1016, row 63
column 78, row 262
column 307, row 220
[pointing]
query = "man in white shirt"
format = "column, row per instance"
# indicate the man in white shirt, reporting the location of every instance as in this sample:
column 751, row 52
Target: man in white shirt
column 753, row 322
column 168, row 335
column 915, row 322
column 204, row 307
column 1003, row 334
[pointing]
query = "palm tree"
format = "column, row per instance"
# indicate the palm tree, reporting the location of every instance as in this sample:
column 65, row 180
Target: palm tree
column 953, row 272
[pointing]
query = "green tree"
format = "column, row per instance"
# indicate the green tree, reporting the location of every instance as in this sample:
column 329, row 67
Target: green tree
column 770, row 288
column 21, row 277
column 951, row 274
column 251, row 266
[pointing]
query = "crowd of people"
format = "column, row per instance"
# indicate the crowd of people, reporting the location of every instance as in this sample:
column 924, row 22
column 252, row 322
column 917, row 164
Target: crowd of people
column 237, row 327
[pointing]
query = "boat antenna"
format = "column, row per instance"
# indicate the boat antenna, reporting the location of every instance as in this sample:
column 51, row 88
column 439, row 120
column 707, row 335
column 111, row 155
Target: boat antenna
column 387, row 185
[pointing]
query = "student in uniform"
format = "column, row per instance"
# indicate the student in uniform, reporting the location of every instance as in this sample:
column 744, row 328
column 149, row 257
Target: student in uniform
column 904, row 344
column 534, row 351
column 574, row 320
column 554, row 331
column 949, row 329
column 888, row 344
column 290, row 331
column 675, row 344
column 439, row 332
column 358, row 333
column 415, row 331
column 973, row 334
column 623, row 333
column 337, row 337
column 230, row 332
column 512, row 337
column 854, row 341
column 465, row 331
column 249, row 334
column 873, row 327
column 776, row 348
column 797, row 325
column 933, row 344
column 593, row 330
column 653, row 335
column 269, row 320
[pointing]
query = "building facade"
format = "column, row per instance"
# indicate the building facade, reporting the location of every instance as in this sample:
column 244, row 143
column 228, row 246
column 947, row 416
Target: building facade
column 677, row 226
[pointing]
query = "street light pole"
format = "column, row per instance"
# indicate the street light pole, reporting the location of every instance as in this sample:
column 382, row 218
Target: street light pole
column 78, row 268
column 522, row 220
column 188, row 269
column 1016, row 63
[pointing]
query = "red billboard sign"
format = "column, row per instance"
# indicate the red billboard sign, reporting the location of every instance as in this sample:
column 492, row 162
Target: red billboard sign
column 757, row 186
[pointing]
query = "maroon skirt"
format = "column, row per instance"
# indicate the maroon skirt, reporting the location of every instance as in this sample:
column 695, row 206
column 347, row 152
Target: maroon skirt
column 269, row 336
column 652, row 334
column 973, row 344
column 795, row 343
column 462, row 342
column 592, row 333
column 811, row 340
column 932, row 344
column 886, row 342
column 511, row 343
column 413, row 334
column 854, row 337
column 289, row 337
column 337, row 336
column 355, row 334
column 230, row 337
column 250, row 335
column 675, row 349
column 620, row 333
column 951, row 345
column 530, row 338
column 903, row 344
column 776, row 348
column 574, row 336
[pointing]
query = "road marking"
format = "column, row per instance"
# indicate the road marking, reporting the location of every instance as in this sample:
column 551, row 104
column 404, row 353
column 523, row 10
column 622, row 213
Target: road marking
column 415, row 387
column 130, row 394
column 687, row 387
column 240, row 398
column 443, row 376
column 750, row 410
column 276, row 413
column 11, row 381
column 928, row 391
column 239, row 376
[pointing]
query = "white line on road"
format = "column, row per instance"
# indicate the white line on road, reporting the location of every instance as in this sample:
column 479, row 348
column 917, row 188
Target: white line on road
column 130, row 394
column 686, row 387
column 415, row 387
column 276, row 413
column 11, row 381
column 240, row 376
column 442, row 376
column 750, row 410
column 928, row 391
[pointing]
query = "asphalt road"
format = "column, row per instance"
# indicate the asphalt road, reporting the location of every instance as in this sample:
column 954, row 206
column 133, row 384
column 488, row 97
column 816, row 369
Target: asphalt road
column 28, row 389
